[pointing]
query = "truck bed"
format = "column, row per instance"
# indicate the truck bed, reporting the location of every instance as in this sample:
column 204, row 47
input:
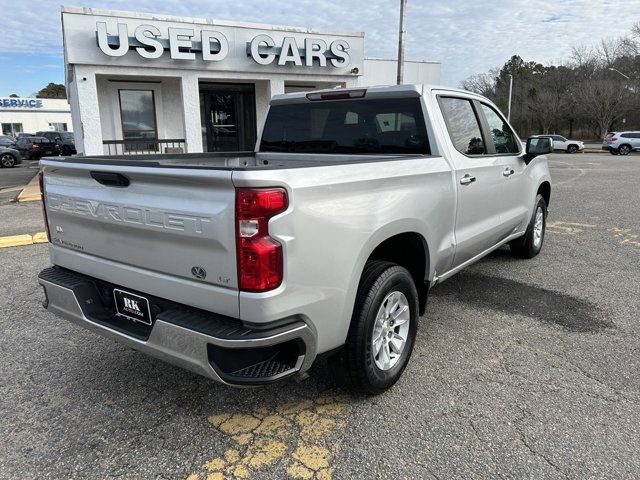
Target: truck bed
column 228, row 161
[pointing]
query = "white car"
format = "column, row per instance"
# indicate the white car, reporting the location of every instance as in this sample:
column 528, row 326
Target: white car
column 562, row 144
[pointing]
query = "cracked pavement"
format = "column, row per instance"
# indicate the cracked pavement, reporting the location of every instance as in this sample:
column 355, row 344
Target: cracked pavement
column 522, row 369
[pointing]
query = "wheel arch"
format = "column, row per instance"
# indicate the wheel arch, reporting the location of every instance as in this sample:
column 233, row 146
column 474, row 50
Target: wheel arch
column 544, row 189
column 410, row 250
column 625, row 145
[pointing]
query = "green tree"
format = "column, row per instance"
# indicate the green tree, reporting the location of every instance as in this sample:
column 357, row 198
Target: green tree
column 53, row 90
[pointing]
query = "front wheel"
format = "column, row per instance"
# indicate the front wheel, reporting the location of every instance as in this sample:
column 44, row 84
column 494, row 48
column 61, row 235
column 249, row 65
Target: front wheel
column 382, row 331
column 7, row 160
column 572, row 149
column 530, row 244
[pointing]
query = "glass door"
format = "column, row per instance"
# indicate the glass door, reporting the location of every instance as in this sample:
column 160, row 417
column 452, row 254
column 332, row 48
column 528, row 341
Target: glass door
column 228, row 115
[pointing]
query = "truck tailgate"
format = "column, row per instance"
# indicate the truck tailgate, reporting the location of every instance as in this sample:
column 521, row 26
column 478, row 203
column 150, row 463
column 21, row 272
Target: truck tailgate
column 174, row 223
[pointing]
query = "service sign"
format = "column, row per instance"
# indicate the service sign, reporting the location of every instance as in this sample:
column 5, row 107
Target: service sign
column 98, row 37
column 20, row 103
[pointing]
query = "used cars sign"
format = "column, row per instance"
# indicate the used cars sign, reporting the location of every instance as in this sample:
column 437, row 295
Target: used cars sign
column 212, row 45
column 136, row 40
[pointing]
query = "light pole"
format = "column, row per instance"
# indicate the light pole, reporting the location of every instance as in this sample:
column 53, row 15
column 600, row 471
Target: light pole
column 403, row 7
column 510, row 91
column 616, row 70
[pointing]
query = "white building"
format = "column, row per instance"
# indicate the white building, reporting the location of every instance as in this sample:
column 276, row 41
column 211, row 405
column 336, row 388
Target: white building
column 31, row 115
column 154, row 83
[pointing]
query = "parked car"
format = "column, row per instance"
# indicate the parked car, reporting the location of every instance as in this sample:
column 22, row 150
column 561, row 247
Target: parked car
column 560, row 143
column 245, row 267
column 34, row 148
column 7, row 140
column 65, row 141
column 621, row 143
column 9, row 157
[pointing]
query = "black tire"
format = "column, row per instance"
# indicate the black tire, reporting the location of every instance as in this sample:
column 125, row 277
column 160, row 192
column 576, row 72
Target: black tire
column 526, row 246
column 572, row 149
column 613, row 151
column 624, row 150
column 7, row 160
column 354, row 367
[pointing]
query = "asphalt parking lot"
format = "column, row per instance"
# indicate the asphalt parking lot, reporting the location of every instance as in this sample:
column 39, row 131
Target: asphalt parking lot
column 13, row 178
column 522, row 369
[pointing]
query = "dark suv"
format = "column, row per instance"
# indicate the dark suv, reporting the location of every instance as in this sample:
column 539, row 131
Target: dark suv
column 65, row 141
column 34, row 148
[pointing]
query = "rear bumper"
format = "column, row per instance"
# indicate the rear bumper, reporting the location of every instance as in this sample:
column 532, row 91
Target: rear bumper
column 217, row 347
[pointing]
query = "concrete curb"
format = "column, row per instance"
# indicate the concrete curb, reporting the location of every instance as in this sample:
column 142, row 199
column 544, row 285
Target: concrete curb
column 21, row 240
column 30, row 193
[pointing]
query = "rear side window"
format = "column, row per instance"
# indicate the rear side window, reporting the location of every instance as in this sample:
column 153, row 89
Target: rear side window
column 504, row 139
column 463, row 125
column 362, row 126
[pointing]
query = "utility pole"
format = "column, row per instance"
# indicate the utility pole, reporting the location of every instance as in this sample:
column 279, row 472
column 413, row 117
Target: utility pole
column 510, row 92
column 403, row 8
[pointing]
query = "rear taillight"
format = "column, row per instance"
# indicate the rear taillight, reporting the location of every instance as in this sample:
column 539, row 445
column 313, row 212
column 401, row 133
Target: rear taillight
column 260, row 263
column 35, row 147
column 613, row 139
column 44, row 205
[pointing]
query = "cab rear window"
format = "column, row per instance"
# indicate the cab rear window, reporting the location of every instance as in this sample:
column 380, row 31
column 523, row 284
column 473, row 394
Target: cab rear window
column 358, row 126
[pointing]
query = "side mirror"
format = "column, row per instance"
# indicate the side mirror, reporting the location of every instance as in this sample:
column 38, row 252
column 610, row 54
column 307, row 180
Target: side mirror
column 537, row 146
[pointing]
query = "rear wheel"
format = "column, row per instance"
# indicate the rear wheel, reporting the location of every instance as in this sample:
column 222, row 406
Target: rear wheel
column 7, row 160
column 624, row 150
column 382, row 332
column 613, row 151
column 530, row 244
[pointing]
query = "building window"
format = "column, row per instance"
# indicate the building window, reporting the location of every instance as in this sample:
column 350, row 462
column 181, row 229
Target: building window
column 138, row 116
column 12, row 129
column 58, row 126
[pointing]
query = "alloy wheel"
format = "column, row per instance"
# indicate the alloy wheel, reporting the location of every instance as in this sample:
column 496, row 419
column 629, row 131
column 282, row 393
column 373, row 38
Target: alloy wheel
column 391, row 330
column 538, row 228
column 7, row 160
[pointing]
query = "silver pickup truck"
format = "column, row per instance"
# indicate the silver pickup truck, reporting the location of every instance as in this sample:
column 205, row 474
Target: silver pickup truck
column 247, row 267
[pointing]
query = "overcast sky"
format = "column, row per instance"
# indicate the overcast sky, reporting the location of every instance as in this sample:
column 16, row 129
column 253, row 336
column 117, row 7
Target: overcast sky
column 467, row 36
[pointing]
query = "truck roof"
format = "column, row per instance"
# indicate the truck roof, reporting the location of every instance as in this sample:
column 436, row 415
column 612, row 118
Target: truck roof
column 380, row 91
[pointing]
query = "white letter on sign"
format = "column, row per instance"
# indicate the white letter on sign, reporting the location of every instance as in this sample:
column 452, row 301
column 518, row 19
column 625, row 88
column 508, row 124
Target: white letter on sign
column 339, row 49
column 289, row 52
column 149, row 41
column 103, row 42
column 264, row 58
column 177, row 40
column 315, row 48
column 207, row 36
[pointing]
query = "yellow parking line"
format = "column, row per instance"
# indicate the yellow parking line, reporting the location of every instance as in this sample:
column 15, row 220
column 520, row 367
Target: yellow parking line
column 21, row 240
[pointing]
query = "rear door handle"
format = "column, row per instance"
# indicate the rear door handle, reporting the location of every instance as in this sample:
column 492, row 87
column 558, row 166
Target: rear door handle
column 507, row 172
column 467, row 179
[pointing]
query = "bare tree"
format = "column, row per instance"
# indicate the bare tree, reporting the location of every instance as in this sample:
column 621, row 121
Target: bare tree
column 603, row 100
column 482, row 83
